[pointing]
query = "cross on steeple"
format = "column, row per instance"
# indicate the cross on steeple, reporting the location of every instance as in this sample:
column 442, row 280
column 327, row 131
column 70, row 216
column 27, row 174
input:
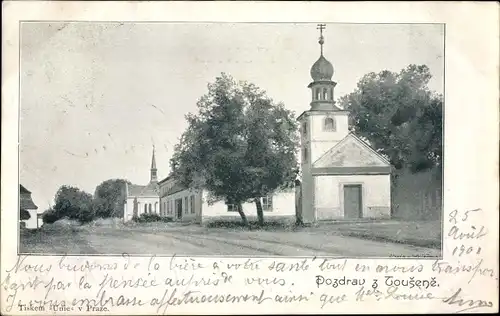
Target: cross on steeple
column 321, row 41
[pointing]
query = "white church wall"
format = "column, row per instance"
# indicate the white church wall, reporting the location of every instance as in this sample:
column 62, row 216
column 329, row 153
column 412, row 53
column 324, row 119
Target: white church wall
column 129, row 206
column 322, row 140
column 376, row 195
column 128, row 209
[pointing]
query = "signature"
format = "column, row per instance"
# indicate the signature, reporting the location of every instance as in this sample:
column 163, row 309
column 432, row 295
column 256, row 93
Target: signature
column 469, row 304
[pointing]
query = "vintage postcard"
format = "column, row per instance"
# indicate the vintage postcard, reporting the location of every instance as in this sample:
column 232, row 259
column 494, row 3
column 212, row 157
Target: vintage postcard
column 231, row 158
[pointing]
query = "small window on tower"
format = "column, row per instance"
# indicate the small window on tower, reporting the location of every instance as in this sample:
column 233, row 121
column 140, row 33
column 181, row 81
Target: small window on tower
column 331, row 93
column 318, row 94
column 304, row 154
column 304, row 129
column 329, row 124
column 325, row 94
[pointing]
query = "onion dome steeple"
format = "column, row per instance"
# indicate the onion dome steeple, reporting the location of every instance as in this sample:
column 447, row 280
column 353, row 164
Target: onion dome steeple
column 322, row 69
column 322, row 85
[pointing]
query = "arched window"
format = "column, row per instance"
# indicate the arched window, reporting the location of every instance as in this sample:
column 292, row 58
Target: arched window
column 325, row 94
column 318, row 94
column 150, row 208
column 156, row 207
column 145, row 208
column 329, row 124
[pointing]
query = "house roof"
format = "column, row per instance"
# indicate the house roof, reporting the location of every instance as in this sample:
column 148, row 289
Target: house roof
column 151, row 189
column 26, row 203
column 176, row 188
column 167, row 178
column 22, row 189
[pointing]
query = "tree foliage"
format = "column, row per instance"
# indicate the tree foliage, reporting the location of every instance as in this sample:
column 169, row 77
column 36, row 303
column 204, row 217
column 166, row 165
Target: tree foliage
column 240, row 145
column 73, row 203
column 50, row 216
column 151, row 217
column 109, row 198
column 399, row 116
column 24, row 215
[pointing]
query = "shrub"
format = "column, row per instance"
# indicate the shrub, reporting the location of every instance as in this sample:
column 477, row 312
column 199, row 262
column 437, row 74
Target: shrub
column 50, row 216
column 85, row 215
column 277, row 225
column 151, row 217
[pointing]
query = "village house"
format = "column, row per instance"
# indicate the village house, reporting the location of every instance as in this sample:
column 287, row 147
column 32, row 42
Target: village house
column 28, row 214
column 191, row 205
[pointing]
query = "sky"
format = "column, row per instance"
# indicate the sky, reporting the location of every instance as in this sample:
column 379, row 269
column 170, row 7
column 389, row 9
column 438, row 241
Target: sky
column 95, row 97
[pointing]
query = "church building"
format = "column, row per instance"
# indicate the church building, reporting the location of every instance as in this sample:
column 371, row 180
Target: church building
column 143, row 198
column 342, row 176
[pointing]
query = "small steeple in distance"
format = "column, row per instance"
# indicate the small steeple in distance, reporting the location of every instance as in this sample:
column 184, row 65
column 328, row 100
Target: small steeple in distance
column 322, row 86
column 154, row 176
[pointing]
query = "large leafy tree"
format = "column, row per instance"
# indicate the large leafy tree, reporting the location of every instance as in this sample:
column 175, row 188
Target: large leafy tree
column 73, row 203
column 240, row 145
column 109, row 198
column 399, row 116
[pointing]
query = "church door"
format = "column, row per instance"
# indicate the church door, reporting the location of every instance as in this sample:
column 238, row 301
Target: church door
column 352, row 201
column 178, row 208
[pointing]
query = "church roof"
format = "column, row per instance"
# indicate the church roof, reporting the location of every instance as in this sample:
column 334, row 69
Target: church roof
column 153, row 160
column 149, row 190
column 334, row 109
column 322, row 70
column 351, row 151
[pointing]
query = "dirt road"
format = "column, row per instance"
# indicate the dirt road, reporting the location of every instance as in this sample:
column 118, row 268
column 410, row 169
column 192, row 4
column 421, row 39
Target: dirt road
column 214, row 242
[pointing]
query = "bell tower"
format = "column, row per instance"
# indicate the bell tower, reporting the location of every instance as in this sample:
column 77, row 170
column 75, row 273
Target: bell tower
column 322, row 126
